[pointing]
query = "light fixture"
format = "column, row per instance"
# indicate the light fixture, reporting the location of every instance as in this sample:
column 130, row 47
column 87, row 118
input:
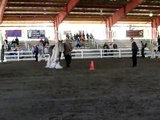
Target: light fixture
column 150, row 14
column 101, row 12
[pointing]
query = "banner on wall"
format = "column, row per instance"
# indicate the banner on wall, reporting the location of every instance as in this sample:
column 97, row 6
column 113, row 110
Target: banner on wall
column 35, row 34
column 134, row 33
column 13, row 33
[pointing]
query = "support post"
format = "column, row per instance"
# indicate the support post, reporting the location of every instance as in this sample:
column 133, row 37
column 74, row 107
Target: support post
column 118, row 15
column 155, row 23
column 108, row 29
column 62, row 15
column 2, row 8
column 124, row 10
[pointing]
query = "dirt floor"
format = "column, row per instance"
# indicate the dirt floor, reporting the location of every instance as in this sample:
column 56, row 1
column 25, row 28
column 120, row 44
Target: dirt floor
column 113, row 91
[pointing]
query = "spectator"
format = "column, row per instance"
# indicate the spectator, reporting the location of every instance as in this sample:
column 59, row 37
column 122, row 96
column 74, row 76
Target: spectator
column 17, row 41
column 67, row 52
column 115, row 46
column 134, row 52
column 36, row 51
column 6, row 41
column 87, row 35
column 46, row 41
column 158, row 43
column 91, row 36
column 2, row 53
column 143, row 45
column 105, row 46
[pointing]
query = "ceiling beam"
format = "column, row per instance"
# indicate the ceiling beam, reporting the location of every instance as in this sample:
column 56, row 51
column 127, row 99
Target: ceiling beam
column 123, row 11
column 2, row 8
column 61, row 16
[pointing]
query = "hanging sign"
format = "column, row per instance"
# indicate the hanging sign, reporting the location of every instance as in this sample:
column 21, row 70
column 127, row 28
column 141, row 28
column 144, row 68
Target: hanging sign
column 134, row 33
column 13, row 33
column 35, row 34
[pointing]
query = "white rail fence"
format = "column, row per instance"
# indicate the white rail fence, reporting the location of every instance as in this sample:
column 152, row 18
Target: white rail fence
column 78, row 54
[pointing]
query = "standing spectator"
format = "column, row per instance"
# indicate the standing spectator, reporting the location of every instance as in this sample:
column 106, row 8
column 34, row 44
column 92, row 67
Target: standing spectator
column 67, row 35
column 17, row 41
column 78, row 43
column 36, row 51
column 83, row 35
column 67, row 52
column 76, row 38
column 158, row 43
column 6, row 41
column 2, row 53
column 134, row 52
column 143, row 45
column 46, row 41
column 91, row 36
column 87, row 35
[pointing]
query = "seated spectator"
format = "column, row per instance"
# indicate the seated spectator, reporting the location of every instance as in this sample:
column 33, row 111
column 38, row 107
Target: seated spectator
column 105, row 46
column 16, row 41
column 78, row 44
column 115, row 46
column 46, row 41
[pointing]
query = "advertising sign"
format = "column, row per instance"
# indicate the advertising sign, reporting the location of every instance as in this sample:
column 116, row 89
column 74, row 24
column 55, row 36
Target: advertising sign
column 134, row 33
column 35, row 34
column 13, row 33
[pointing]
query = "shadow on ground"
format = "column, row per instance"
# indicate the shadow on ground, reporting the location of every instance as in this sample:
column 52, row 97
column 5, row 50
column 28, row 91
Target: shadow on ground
column 113, row 91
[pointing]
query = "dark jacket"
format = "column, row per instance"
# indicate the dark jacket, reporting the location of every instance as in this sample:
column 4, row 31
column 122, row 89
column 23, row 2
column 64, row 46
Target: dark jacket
column 67, row 47
column 36, row 50
column 134, row 46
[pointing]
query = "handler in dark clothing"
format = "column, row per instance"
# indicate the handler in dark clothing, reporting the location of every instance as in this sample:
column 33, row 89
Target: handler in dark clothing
column 143, row 45
column 67, row 52
column 158, row 43
column 134, row 53
column 2, row 53
column 36, row 51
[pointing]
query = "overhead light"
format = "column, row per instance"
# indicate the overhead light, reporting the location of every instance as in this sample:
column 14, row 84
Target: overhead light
column 150, row 14
column 101, row 12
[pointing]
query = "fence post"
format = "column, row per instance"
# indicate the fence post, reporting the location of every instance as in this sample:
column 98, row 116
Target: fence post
column 120, row 53
column 82, row 56
column 18, row 55
column 101, row 53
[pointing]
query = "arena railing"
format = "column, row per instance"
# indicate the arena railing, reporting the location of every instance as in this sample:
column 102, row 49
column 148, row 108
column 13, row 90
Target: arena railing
column 76, row 54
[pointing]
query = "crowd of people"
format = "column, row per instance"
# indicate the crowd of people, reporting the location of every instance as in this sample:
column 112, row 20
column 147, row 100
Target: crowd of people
column 41, row 48
column 79, row 38
column 9, row 46
column 13, row 45
column 109, row 46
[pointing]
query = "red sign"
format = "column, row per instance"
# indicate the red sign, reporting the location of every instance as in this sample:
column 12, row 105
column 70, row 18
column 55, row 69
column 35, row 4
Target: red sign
column 134, row 33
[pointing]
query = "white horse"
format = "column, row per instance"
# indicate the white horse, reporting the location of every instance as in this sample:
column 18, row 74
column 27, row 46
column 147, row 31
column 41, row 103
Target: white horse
column 53, row 59
column 153, row 49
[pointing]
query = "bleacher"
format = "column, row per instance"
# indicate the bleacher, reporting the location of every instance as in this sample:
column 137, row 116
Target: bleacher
column 121, row 43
